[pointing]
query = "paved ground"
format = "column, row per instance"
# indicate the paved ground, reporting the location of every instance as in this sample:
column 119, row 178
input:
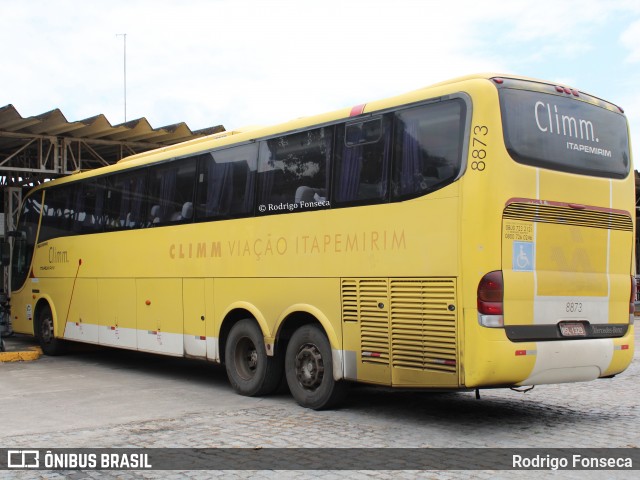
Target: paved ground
column 109, row 398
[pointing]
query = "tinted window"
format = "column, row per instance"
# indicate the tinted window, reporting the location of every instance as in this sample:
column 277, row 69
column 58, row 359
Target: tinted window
column 88, row 206
column 360, row 133
column 171, row 189
column 564, row 133
column 293, row 172
column 125, row 199
column 428, row 147
column 72, row 209
column 95, row 196
column 226, row 182
column 362, row 161
column 59, row 212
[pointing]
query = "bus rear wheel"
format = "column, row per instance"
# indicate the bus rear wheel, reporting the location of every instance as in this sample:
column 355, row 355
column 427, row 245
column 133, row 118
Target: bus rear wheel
column 45, row 333
column 309, row 370
column 250, row 370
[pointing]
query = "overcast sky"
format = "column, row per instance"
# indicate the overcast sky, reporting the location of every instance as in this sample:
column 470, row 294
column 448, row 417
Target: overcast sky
column 248, row 62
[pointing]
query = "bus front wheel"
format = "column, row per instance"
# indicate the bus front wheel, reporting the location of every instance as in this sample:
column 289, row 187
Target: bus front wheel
column 250, row 370
column 309, row 370
column 45, row 334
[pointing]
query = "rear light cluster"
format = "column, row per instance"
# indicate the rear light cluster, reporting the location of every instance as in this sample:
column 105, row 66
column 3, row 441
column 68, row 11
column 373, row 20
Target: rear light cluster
column 491, row 300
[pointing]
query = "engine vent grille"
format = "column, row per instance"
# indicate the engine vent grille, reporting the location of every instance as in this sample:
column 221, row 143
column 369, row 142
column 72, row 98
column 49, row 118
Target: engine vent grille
column 404, row 322
column 423, row 329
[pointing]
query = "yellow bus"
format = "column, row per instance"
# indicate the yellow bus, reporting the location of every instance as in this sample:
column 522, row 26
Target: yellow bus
column 477, row 233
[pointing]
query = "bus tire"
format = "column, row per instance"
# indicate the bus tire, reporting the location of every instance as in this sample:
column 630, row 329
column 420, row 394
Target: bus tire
column 309, row 370
column 250, row 370
column 45, row 333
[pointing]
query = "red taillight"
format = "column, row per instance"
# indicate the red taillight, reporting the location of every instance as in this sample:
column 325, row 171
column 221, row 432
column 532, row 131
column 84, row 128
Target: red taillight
column 634, row 295
column 491, row 294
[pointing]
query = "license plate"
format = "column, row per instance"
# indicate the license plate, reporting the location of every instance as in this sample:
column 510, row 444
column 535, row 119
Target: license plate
column 573, row 329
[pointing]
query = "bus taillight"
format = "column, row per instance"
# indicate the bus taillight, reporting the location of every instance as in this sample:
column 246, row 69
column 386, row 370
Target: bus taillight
column 490, row 300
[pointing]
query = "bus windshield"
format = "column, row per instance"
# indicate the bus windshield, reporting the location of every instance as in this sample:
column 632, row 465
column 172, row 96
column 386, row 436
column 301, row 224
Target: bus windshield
column 25, row 240
column 564, row 133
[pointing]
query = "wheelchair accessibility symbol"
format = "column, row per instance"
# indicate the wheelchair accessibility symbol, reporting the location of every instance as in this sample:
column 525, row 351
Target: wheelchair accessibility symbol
column 523, row 256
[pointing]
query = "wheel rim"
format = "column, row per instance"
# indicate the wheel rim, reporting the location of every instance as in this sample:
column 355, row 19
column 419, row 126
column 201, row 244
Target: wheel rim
column 246, row 358
column 47, row 329
column 309, row 367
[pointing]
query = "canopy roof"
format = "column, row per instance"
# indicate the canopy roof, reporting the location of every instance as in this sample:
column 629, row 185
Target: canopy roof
column 48, row 145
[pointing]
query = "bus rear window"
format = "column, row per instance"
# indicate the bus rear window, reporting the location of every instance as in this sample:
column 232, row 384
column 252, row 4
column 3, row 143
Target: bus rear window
column 564, row 133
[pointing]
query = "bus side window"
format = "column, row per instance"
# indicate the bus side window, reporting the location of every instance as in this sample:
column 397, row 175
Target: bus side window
column 363, row 155
column 171, row 192
column 293, row 171
column 125, row 200
column 428, row 147
column 57, row 219
column 98, row 214
column 226, row 180
column 87, row 206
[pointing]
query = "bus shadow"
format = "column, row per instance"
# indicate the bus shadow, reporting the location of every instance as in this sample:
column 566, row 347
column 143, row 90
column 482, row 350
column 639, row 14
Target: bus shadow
column 188, row 370
column 500, row 407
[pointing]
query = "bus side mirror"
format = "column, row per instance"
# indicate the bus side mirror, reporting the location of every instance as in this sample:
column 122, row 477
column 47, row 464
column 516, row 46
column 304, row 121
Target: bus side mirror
column 5, row 253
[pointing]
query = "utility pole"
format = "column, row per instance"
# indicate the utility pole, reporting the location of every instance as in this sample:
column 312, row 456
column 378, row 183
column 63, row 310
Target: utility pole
column 124, row 36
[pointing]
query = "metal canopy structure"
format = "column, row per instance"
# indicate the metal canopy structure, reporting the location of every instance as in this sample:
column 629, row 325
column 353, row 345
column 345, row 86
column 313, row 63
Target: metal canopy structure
column 35, row 149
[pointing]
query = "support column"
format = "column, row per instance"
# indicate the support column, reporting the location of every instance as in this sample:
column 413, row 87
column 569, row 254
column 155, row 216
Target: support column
column 12, row 202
